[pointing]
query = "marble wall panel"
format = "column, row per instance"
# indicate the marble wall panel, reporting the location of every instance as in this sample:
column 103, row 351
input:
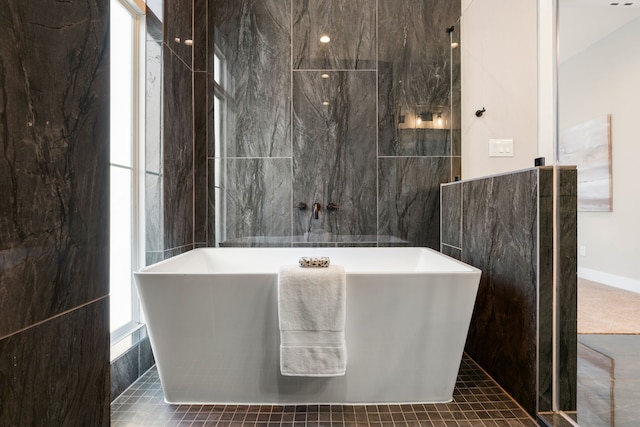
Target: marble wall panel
column 567, row 288
column 252, row 39
column 545, row 291
column 178, row 27
column 200, row 145
column 351, row 26
column 456, row 91
column 409, row 198
column 500, row 237
column 451, row 213
column 255, row 197
column 414, row 63
column 199, row 49
column 334, row 151
column 54, row 140
column 57, row 373
column 177, row 148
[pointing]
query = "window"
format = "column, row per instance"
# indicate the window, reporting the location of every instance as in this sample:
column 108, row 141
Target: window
column 126, row 165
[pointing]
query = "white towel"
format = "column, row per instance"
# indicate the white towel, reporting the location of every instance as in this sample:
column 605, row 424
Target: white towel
column 311, row 311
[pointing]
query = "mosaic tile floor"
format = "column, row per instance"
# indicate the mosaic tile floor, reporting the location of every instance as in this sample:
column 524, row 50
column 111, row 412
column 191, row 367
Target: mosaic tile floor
column 478, row 401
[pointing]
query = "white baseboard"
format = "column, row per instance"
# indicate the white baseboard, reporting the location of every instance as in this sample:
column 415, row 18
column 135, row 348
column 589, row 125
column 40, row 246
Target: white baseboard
column 610, row 279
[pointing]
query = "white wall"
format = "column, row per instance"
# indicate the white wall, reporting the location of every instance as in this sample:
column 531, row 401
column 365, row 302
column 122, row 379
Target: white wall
column 605, row 79
column 500, row 73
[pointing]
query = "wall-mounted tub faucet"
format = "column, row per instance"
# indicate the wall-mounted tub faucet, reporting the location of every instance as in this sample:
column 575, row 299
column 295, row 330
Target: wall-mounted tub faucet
column 316, row 208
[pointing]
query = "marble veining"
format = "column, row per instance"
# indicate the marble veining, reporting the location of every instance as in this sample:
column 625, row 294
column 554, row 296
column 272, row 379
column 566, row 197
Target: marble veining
column 177, row 149
column 334, row 154
column 414, row 64
column 507, row 232
column 408, row 195
column 341, row 132
column 57, row 373
column 255, row 197
column 53, row 158
column 350, row 25
column 253, row 43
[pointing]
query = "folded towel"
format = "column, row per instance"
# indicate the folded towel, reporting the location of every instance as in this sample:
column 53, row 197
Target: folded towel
column 311, row 311
column 320, row 261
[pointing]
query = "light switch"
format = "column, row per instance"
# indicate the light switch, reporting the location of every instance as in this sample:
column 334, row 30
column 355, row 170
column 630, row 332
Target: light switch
column 501, row 148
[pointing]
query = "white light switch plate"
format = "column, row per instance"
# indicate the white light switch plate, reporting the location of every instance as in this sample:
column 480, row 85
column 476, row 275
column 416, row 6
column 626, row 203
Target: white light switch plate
column 501, row 148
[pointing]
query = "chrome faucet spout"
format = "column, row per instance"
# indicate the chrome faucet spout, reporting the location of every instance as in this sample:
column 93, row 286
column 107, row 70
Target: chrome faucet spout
column 316, row 209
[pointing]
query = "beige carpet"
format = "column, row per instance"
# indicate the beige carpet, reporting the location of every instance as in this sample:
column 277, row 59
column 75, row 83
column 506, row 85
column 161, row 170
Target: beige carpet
column 606, row 310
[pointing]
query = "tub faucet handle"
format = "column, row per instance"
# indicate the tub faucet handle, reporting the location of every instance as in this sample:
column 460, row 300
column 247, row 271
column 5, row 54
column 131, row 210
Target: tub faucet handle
column 316, row 208
column 302, row 206
column 331, row 207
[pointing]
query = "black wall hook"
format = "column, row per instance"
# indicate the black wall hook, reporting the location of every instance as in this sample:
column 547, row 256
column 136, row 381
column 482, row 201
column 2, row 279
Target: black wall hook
column 479, row 113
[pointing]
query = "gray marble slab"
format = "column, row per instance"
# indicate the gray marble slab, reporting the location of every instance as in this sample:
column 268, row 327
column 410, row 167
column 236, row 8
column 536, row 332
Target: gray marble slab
column 409, row 198
column 414, row 64
column 54, row 140
column 351, row 27
column 178, row 27
column 200, row 145
column 57, row 373
column 255, row 197
column 177, row 149
column 451, row 212
column 334, row 151
column 253, row 42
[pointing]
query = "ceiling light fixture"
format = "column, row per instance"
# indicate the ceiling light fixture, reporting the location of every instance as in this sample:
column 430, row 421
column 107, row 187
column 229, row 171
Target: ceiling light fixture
column 325, row 38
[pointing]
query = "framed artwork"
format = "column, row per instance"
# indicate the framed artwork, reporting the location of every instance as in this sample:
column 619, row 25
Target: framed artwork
column 587, row 145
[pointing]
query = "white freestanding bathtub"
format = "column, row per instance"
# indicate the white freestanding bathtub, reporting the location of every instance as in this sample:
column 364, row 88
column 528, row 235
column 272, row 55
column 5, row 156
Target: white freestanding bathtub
column 212, row 319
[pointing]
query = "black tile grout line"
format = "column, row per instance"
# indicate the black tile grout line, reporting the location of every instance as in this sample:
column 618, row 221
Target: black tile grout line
column 478, row 401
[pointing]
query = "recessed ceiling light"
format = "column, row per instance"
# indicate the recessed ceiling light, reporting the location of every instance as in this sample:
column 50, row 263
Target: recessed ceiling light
column 325, row 38
column 324, row 75
column 325, row 103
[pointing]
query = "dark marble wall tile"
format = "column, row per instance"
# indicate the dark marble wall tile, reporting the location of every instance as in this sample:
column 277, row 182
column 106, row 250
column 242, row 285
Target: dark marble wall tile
column 124, row 371
column 414, row 64
column 409, row 198
column 456, row 168
column 200, row 143
column 54, row 140
column 351, row 26
column 451, row 212
column 57, row 373
column 452, row 252
column 500, row 223
column 545, row 291
column 255, row 197
column 178, row 28
column 456, row 91
column 213, row 192
column 169, row 253
column 567, row 287
column 147, row 359
column 177, row 148
column 131, row 365
column 200, row 14
column 334, row 151
column 253, row 41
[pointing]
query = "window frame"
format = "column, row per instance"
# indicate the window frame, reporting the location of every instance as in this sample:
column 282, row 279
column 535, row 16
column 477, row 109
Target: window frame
column 137, row 10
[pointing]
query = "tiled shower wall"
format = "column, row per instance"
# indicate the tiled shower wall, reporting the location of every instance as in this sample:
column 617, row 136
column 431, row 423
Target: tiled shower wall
column 298, row 121
column 54, row 213
column 504, row 226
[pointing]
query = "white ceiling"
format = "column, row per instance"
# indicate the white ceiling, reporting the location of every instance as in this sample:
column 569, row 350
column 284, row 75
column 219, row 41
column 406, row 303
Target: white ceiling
column 584, row 22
